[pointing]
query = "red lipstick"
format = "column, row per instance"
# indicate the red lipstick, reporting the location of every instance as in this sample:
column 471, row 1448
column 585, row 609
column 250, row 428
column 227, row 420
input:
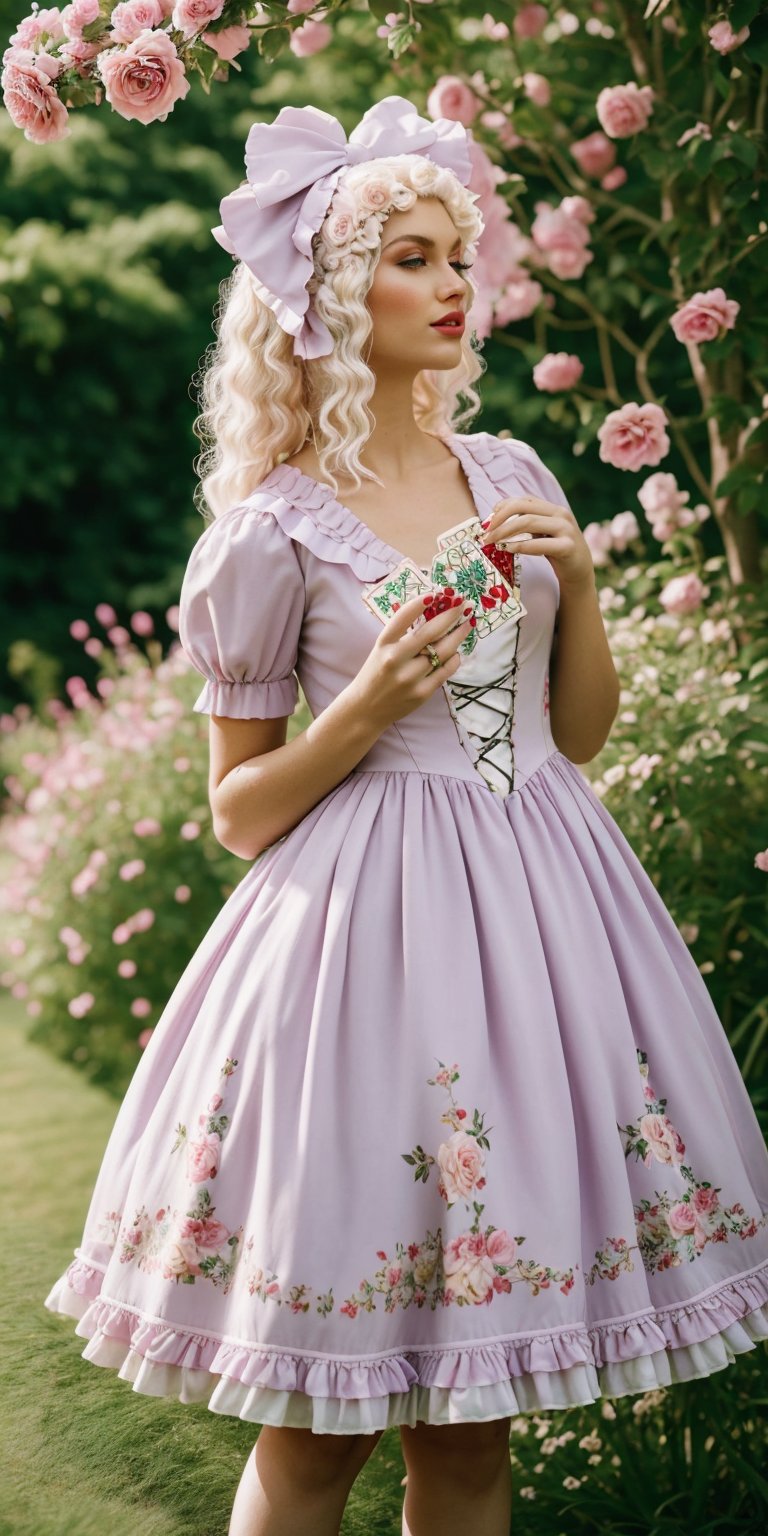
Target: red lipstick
column 451, row 324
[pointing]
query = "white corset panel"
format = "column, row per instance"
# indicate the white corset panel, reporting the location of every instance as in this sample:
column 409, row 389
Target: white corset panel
column 499, row 694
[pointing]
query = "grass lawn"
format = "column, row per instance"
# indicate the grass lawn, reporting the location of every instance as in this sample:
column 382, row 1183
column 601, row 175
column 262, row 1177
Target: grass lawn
column 83, row 1453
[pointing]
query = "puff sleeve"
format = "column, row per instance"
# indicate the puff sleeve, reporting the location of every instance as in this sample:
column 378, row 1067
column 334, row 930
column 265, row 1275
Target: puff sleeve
column 240, row 614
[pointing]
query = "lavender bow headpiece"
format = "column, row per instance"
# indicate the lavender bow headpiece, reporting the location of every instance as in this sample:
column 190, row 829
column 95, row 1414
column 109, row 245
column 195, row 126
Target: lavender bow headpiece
column 293, row 166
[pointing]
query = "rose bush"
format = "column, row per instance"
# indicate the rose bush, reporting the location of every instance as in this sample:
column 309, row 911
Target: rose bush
column 112, row 875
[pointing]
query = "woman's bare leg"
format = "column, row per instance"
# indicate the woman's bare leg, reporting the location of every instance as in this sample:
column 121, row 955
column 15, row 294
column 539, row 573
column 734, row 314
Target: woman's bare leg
column 296, row 1483
column 459, row 1479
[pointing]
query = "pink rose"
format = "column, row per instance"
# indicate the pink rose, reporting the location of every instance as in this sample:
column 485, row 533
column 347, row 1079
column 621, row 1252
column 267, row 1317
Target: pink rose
column 300, row 7
column 518, row 301
column 724, row 39
column 193, row 16
column 705, row 316
column 451, row 97
column 633, row 436
column 557, row 370
column 309, row 39
column 203, row 1159
column 594, row 155
column 663, row 1140
column 80, row 14
column 624, row 109
column 49, row 24
column 132, row 17
column 461, row 1160
column 229, row 41
column 682, row 594
column 624, row 528
column 761, row 860
column 599, row 539
column 208, row 1233
column 706, row 1201
column 339, row 227
column 537, row 88
column 374, row 195
column 143, row 81
column 500, row 1247
column 29, row 98
column 530, row 21
column 180, row 1258
column 563, row 239
column 614, row 179
column 469, row 1269
column 681, row 1219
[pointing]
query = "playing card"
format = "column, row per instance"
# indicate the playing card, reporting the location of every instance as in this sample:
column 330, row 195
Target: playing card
column 404, row 582
column 465, row 567
column 462, row 569
column 471, row 528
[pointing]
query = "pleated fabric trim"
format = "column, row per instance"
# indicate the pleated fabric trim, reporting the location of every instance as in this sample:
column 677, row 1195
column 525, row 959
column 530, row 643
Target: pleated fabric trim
column 504, row 1377
column 308, row 511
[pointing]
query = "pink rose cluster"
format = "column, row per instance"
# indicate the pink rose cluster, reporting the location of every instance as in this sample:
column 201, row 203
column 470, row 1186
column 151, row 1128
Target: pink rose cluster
column 664, row 505
column 125, row 54
column 613, row 536
column 561, row 236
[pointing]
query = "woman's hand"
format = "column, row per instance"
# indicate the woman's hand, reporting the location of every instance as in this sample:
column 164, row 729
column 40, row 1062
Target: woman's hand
column 546, row 530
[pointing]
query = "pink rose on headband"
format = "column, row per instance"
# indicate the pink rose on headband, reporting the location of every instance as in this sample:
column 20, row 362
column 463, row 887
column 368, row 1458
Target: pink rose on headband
column 633, row 436
column 339, row 226
column 705, row 316
column 132, row 17
column 144, row 80
column 193, row 16
column 450, row 97
column 624, row 109
column 229, row 41
column 374, row 195
column 29, row 97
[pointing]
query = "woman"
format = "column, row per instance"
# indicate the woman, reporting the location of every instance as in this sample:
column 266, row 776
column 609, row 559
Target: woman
column 440, row 1124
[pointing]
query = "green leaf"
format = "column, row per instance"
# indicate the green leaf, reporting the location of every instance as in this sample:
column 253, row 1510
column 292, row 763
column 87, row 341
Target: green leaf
column 273, row 42
column 750, row 497
column 742, row 12
column 401, row 37
column 734, row 479
column 744, row 149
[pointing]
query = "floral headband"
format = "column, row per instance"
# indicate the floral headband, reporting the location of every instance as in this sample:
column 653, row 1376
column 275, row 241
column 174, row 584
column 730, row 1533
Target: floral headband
column 293, row 166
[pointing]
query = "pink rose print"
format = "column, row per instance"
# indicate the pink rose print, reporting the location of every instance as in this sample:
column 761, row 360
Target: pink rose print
column 461, row 1163
column 664, row 1144
column 468, row 1269
column 671, row 1229
column 193, row 1245
column 203, row 1159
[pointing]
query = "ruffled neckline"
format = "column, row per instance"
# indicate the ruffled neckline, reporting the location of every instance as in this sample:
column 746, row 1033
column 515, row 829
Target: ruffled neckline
column 369, row 555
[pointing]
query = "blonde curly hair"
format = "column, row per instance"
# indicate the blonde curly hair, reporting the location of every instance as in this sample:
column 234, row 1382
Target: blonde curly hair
column 258, row 402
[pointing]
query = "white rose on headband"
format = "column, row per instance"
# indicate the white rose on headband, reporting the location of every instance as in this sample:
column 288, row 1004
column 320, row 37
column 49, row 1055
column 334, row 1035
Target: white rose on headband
column 424, row 172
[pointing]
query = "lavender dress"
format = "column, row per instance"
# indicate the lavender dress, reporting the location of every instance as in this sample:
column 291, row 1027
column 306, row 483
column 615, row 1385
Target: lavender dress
column 440, row 1122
